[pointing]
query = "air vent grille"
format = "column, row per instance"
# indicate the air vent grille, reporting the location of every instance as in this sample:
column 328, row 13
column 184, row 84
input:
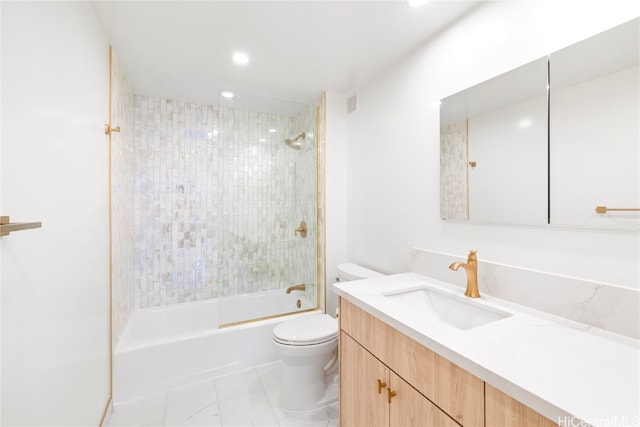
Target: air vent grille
column 352, row 104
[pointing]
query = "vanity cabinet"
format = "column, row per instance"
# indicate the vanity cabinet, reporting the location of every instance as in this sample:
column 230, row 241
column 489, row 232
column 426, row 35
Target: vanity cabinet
column 375, row 396
column 503, row 410
column 430, row 390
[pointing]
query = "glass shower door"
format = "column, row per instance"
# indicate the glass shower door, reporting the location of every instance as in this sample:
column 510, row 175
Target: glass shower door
column 268, row 179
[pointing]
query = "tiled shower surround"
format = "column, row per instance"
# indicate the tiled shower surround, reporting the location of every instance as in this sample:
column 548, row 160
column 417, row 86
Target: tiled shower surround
column 175, row 214
column 453, row 171
column 216, row 207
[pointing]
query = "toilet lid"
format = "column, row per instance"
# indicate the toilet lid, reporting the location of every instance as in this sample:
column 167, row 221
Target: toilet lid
column 306, row 330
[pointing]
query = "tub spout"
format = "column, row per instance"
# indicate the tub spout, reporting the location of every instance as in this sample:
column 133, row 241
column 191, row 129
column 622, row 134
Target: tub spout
column 299, row 287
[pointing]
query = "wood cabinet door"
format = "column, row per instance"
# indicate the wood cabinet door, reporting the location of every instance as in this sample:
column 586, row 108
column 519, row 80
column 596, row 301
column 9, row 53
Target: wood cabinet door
column 360, row 403
column 409, row 408
column 504, row 411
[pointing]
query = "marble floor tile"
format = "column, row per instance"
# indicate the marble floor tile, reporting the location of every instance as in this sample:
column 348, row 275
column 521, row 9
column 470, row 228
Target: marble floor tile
column 149, row 411
column 192, row 403
column 323, row 417
column 244, row 398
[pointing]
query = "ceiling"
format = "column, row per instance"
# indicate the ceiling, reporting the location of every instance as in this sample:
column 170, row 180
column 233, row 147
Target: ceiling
column 182, row 49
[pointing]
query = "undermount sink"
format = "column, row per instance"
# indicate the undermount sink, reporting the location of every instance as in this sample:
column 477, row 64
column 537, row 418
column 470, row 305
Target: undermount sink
column 460, row 312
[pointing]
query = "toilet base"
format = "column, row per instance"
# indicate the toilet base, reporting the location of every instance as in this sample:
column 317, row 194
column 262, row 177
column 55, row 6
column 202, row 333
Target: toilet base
column 303, row 378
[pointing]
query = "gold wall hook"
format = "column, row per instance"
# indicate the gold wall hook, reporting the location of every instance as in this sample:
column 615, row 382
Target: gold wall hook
column 302, row 229
column 108, row 129
column 381, row 385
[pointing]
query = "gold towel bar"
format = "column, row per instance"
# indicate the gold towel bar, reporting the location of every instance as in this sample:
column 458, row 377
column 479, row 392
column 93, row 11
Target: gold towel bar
column 6, row 226
column 604, row 209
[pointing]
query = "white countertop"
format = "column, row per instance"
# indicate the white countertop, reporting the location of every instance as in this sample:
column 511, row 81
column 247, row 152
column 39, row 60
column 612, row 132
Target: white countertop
column 558, row 367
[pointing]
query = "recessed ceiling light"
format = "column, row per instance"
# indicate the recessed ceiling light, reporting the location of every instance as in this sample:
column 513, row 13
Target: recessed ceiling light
column 272, row 130
column 240, row 58
column 227, row 94
column 417, row 3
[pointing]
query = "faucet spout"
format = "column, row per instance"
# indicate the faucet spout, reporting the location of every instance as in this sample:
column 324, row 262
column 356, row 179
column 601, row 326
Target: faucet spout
column 299, row 287
column 471, row 267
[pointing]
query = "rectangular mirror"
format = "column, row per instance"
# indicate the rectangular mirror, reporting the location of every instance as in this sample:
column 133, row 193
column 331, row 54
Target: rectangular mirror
column 594, row 116
column 493, row 149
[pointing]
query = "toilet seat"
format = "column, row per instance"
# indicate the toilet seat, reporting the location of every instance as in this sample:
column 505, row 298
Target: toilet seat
column 307, row 330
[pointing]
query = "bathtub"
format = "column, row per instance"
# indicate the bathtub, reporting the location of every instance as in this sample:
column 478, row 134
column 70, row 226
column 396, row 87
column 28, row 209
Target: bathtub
column 164, row 347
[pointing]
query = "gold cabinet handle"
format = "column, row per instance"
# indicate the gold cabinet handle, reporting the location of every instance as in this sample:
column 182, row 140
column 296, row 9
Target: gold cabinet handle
column 381, row 385
column 390, row 394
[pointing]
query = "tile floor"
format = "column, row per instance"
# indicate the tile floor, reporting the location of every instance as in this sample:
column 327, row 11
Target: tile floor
column 245, row 398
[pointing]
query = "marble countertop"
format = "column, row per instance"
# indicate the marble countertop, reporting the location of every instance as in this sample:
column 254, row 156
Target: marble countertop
column 567, row 371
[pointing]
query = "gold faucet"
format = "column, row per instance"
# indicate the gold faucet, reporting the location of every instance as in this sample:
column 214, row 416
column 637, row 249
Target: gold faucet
column 299, row 287
column 471, row 267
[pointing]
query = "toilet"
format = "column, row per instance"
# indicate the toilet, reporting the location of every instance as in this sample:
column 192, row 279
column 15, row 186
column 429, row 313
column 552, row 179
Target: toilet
column 306, row 345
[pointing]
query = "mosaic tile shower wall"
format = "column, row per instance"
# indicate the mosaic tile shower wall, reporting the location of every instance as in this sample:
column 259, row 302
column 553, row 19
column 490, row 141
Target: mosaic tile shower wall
column 122, row 191
column 175, row 194
column 454, row 200
column 217, row 200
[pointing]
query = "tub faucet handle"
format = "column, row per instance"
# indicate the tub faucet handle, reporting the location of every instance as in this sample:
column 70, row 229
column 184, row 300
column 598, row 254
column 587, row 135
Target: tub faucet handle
column 302, row 229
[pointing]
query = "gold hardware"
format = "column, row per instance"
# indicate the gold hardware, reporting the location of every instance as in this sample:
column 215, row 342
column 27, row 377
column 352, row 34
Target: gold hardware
column 293, row 141
column 390, row 394
column 471, row 267
column 6, row 226
column 299, row 287
column 604, row 209
column 298, row 303
column 472, row 164
column 108, row 129
column 301, row 136
column 302, row 229
column 381, row 385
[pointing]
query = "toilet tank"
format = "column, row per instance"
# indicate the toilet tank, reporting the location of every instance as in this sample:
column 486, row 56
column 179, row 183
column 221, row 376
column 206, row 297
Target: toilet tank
column 349, row 271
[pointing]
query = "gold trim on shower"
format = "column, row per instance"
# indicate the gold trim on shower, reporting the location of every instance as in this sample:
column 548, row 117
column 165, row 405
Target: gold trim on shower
column 275, row 316
column 108, row 129
column 320, row 232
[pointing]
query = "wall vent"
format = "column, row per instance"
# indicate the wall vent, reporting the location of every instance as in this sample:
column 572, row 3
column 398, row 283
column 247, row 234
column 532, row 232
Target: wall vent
column 352, row 103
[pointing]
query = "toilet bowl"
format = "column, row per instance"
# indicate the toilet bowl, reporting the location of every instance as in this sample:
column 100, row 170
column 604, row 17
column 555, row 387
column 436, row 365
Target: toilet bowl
column 306, row 345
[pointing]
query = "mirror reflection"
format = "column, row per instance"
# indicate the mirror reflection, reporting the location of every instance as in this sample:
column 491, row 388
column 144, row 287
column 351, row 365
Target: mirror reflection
column 493, row 149
column 555, row 141
column 594, row 116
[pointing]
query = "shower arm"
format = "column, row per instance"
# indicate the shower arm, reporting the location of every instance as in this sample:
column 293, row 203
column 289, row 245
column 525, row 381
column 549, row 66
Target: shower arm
column 301, row 136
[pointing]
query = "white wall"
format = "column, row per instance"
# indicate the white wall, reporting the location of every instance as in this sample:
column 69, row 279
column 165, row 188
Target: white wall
column 336, row 190
column 54, row 283
column 392, row 167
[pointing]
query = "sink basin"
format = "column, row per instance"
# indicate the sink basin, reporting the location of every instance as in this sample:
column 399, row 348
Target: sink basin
column 460, row 312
